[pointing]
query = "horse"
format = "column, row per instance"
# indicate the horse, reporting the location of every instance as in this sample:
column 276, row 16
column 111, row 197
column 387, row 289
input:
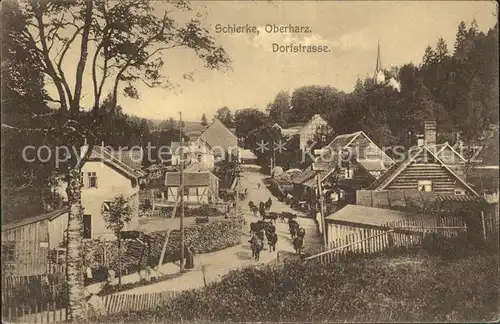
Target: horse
column 268, row 204
column 262, row 208
column 256, row 244
column 272, row 216
column 298, row 242
column 288, row 216
column 255, row 227
column 293, row 227
column 301, row 232
column 272, row 239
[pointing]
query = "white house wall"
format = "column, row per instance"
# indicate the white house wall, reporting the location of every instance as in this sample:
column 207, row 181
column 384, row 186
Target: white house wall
column 110, row 183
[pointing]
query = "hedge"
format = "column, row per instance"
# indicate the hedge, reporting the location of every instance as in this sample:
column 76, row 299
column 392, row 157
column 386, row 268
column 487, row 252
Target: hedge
column 363, row 291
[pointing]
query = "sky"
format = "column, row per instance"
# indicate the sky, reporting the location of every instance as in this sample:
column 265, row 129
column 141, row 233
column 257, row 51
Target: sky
column 351, row 31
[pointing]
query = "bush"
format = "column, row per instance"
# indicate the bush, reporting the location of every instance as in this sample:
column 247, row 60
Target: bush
column 445, row 247
column 364, row 291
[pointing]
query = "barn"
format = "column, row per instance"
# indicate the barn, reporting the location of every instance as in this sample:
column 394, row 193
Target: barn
column 26, row 243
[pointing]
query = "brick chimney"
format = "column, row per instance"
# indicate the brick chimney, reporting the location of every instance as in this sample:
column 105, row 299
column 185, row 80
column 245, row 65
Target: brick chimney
column 430, row 132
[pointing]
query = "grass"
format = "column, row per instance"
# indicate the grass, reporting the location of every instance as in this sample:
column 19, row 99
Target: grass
column 418, row 288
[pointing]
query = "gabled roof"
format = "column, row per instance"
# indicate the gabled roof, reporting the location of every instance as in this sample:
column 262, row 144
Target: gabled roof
column 219, row 135
column 131, row 158
column 99, row 153
column 396, row 169
column 305, row 175
column 191, row 179
column 343, row 141
column 440, row 148
column 366, row 215
column 30, row 220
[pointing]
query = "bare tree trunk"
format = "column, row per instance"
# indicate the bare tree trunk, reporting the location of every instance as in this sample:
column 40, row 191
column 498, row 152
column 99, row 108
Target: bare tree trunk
column 119, row 261
column 74, row 260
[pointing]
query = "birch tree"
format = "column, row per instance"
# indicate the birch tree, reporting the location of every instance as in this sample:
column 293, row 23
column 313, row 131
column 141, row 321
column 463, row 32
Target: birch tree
column 119, row 43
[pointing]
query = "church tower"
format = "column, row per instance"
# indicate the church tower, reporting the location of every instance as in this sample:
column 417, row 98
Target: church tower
column 378, row 76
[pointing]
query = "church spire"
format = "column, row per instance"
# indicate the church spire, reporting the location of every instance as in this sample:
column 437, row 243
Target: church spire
column 378, row 76
column 378, row 65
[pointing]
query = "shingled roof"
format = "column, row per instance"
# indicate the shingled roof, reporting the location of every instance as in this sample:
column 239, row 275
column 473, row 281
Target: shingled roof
column 100, row 153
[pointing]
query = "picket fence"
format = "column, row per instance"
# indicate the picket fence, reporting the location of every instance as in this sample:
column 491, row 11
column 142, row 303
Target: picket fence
column 362, row 242
column 50, row 313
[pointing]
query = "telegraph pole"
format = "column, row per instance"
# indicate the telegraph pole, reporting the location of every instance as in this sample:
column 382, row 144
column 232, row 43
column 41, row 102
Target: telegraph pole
column 237, row 176
column 181, row 189
column 321, row 210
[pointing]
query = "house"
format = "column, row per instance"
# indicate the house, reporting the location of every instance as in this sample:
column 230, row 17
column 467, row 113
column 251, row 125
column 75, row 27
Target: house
column 195, row 151
column 349, row 163
column 425, row 171
column 200, row 186
column 308, row 132
column 454, row 160
column 221, row 140
column 133, row 158
column 104, row 178
column 26, row 243
column 359, row 146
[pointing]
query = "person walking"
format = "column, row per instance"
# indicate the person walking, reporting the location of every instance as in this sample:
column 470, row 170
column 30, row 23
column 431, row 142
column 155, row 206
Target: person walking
column 258, row 185
column 189, row 252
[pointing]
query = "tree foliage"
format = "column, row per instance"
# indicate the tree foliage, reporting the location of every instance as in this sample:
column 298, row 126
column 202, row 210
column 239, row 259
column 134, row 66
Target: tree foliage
column 204, row 121
column 225, row 116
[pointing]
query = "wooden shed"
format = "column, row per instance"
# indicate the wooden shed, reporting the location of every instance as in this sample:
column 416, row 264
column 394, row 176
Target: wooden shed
column 353, row 218
column 26, row 243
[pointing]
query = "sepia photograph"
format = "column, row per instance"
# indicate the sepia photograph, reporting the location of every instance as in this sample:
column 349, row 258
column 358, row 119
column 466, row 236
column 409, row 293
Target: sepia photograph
column 258, row 161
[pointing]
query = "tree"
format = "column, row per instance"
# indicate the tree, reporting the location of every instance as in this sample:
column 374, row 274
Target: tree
column 129, row 39
column 246, row 120
column 23, row 106
column 117, row 215
column 278, row 109
column 225, row 116
column 441, row 50
column 204, row 121
column 310, row 100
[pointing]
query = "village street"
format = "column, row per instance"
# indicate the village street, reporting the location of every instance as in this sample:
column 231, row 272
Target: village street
column 219, row 263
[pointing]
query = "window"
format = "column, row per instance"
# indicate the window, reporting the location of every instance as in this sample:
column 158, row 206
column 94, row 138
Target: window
column 425, row 185
column 349, row 173
column 186, row 191
column 459, row 192
column 8, row 251
column 92, row 179
column 200, row 157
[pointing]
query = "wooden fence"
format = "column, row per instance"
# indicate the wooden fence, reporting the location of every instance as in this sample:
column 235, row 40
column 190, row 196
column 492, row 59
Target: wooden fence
column 368, row 241
column 50, row 313
column 136, row 302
